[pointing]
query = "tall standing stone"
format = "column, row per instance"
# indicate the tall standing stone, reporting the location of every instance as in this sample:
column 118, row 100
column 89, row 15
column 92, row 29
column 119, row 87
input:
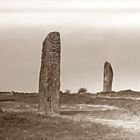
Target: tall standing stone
column 108, row 77
column 49, row 80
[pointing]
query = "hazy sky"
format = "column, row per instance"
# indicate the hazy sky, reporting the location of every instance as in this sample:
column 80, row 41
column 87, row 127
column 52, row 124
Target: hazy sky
column 92, row 32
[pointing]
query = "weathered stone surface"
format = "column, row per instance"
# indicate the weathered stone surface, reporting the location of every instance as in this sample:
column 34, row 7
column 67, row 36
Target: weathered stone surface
column 0, row 109
column 49, row 80
column 108, row 77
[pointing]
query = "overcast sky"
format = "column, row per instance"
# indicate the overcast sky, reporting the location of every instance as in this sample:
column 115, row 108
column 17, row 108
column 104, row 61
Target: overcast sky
column 92, row 32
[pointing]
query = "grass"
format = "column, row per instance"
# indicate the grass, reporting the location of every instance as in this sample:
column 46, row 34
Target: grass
column 23, row 124
column 19, row 126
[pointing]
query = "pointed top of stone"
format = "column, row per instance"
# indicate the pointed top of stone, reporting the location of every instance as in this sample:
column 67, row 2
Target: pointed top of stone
column 53, row 38
column 55, row 33
column 108, row 66
column 107, row 63
column 51, row 35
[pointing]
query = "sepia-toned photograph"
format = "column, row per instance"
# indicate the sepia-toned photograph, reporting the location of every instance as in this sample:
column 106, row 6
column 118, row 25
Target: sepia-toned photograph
column 69, row 69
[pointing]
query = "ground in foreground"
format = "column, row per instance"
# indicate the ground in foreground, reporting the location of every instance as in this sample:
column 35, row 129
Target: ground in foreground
column 82, row 117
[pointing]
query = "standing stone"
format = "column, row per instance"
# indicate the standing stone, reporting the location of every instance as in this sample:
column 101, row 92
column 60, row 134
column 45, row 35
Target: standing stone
column 49, row 80
column 108, row 77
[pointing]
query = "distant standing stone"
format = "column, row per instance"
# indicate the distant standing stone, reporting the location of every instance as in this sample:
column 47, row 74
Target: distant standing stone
column 49, row 80
column 108, row 77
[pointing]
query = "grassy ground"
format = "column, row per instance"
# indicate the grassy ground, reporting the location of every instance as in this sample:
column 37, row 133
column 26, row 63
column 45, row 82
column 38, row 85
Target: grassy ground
column 19, row 126
column 19, row 119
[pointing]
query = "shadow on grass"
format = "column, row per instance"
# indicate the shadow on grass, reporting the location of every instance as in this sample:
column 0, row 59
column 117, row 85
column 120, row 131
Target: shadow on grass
column 5, row 100
column 73, row 112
